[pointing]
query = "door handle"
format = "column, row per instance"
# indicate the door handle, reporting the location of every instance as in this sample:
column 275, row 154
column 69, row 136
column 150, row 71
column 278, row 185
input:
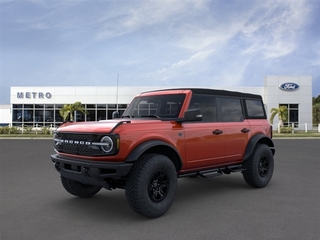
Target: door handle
column 245, row 130
column 217, row 132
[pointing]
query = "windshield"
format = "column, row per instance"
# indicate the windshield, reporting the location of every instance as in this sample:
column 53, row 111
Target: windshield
column 159, row 106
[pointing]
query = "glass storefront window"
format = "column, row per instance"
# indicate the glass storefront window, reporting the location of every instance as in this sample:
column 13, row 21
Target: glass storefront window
column 123, row 106
column 27, row 116
column 49, row 106
column 80, row 117
column 91, row 106
column 91, row 115
column 28, row 106
column 293, row 106
column 17, row 106
column 17, row 115
column 49, row 114
column 57, row 117
column 38, row 116
column 293, row 114
column 101, row 115
column 38, row 106
column 114, row 106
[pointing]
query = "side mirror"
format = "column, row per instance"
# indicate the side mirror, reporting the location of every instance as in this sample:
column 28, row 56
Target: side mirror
column 193, row 115
column 115, row 114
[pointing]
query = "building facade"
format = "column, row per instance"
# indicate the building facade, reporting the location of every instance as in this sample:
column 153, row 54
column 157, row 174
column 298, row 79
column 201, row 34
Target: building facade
column 39, row 106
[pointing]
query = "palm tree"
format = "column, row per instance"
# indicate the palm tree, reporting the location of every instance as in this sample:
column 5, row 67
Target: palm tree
column 282, row 112
column 68, row 109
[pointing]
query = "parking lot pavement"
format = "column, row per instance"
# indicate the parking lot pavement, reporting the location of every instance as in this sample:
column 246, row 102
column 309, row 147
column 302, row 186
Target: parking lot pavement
column 34, row 204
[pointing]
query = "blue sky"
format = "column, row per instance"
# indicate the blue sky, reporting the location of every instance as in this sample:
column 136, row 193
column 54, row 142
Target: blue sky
column 156, row 42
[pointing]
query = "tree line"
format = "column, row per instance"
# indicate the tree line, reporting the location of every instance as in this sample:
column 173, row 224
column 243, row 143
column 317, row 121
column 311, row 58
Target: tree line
column 316, row 110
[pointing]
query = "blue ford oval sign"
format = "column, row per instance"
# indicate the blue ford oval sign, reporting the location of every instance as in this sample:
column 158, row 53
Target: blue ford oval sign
column 289, row 86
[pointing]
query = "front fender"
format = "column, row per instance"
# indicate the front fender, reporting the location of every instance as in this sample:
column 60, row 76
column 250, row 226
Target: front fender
column 145, row 146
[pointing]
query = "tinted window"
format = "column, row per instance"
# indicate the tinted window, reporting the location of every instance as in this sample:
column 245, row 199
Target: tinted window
column 207, row 105
column 255, row 108
column 163, row 106
column 231, row 110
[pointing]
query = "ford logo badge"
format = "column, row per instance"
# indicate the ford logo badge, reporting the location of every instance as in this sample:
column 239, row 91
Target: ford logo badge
column 289, row 86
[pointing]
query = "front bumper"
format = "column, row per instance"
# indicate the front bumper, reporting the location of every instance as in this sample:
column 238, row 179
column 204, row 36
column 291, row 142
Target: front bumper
column 88, row 172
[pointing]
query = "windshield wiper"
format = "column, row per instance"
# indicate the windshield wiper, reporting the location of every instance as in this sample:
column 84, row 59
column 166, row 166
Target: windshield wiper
column 127, row 116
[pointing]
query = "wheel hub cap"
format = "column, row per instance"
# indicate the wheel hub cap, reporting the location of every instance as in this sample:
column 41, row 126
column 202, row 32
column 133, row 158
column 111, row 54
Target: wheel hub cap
column 263, row 166
column 158, row 186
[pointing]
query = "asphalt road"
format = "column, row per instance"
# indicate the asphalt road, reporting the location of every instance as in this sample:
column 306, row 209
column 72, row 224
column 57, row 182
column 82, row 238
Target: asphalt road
column 35, row 206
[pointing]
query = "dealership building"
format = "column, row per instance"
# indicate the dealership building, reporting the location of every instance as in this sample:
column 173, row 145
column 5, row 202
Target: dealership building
column 39, row 106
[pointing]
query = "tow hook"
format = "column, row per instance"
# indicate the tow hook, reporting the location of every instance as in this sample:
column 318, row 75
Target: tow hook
column 86, row 171
column 56, row 165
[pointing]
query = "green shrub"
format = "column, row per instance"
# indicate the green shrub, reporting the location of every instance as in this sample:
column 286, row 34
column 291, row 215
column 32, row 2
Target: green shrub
column 45, row 130
column 286, row 129
column 14, row 130
column 4, row 130
column 27, row 129
column 9, row 130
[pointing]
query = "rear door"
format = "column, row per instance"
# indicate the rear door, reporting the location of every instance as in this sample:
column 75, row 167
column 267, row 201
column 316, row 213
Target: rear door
column 237, row 131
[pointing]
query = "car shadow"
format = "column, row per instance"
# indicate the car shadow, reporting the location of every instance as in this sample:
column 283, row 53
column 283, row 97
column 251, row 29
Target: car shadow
column 113, row 204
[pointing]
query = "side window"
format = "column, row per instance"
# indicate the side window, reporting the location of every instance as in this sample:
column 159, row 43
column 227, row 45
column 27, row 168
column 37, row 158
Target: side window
column 231, row 110
column 255, row 108
column 207, row 106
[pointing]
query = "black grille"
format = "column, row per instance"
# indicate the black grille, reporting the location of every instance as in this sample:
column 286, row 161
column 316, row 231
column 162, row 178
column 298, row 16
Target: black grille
column 79, row 144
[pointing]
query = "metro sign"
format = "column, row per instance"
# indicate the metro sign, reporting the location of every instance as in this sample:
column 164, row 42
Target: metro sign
column 289, row 86
column 34, row 95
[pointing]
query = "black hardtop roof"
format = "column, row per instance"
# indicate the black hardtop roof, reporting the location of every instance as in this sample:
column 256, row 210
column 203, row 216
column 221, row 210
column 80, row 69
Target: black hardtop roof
column 216, row 92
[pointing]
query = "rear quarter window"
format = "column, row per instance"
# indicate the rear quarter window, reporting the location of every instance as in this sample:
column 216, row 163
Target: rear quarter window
column 255, row 109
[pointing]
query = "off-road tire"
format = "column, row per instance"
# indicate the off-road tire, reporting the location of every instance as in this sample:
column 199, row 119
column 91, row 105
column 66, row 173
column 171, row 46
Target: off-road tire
column 259, row 167
column 79, row 189
column 151, row 185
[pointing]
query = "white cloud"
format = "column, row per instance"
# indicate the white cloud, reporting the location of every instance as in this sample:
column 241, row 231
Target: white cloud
column 138, row 15
column 276, row 27
column 194, row 59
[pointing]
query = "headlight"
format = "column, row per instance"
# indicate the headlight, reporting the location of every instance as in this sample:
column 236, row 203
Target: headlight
column 106, row 144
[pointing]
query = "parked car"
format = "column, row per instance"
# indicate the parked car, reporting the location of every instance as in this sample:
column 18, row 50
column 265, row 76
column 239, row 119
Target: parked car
column 162, row 136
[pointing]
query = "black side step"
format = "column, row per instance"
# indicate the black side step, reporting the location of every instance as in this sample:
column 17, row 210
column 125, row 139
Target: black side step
column 214, row 172
column 210, row 173
column 231, row 169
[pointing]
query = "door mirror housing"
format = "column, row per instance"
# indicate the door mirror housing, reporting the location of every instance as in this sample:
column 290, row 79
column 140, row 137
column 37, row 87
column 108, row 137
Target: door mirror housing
column 193, row 115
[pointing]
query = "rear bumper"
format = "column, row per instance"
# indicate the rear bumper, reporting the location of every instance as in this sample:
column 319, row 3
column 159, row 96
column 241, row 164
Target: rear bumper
column 89, row 172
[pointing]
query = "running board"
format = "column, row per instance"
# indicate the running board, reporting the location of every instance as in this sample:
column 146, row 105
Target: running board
column 214, row 172
column 210, row 173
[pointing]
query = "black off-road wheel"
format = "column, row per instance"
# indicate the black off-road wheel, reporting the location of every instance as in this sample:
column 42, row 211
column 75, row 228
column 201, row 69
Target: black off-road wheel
column 259, row 168
column 151, row 185
column 79, row 189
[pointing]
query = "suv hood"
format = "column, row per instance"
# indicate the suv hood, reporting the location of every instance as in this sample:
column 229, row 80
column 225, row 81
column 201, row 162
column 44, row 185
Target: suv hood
column 105, row 126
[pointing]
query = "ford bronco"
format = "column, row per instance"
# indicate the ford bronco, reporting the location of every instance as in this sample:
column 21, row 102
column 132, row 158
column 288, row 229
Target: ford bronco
column 164, row 135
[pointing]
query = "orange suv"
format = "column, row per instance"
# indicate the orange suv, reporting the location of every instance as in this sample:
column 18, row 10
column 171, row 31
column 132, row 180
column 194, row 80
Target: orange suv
column 162, row 136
